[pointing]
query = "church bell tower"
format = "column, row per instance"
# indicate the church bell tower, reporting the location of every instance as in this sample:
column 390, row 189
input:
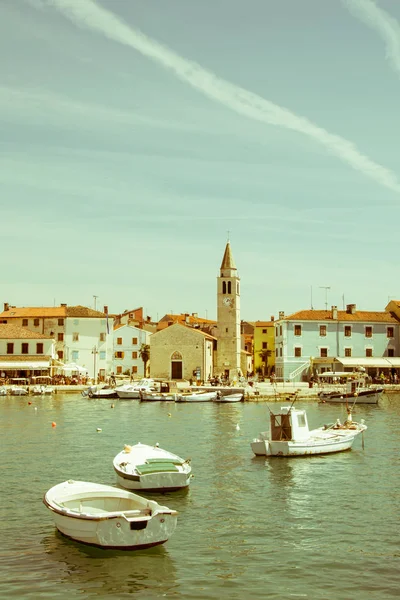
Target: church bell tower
column 228, row 318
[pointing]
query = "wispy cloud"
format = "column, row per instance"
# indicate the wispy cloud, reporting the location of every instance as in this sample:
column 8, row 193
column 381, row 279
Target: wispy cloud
column 386, row 26
column 88, row 14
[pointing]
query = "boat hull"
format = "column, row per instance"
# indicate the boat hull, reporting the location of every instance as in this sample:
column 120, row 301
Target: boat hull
column 157, row 482
column 79, row 511
column 365, row 397
column 339, row 443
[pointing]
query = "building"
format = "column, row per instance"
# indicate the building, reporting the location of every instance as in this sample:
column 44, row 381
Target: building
column 82, row 335
column 128, row 341
column 24, row 353
column 313, row 341
column 264, row 347
column 181, row 352
column 228, row 356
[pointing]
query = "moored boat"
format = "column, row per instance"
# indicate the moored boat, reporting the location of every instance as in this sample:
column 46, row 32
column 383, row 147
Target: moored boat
column 143, row 467
column 131, row 391
column 353, row 391
column 96, row 391
column 289, row 435
column 108, row 517
column 235, row 397
column 196, row 397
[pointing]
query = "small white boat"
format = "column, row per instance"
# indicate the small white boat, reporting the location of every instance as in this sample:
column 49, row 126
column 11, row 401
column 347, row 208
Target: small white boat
column 131, row 391
column 96, row 391
column 108, row 517
column 42, row 390
column 143, row 467
column 353, row 391
column 289, row 435
column 16, row 390
column 158, row 396
column 196, row 397
column 229, row 398
column 3, row 391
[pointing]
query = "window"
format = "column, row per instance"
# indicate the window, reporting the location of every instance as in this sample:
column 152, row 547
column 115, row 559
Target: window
column 119, row 341
column 390, row 351
column 280, row 329
column 134, row 354
column 61, row 322
column 24, row 322
column 226, row 330
column 297, row 330
column 280, row 351
column 264, row 345
column 390, row 332
column 119, row 355
column 39, row 348
column 134, row 341
column 119, row 370
column 297, row 351
column 347, row 351
column 229, row 287
column 322, row 330
column 276, row 351
column 368, row 332
column 75, row 355
column 102, row 355
column 60, row 337
column 276, row 332
column 75, row 337
column 224, row 287
column 323, row 352
column 368, row 352
column 347, row 330
column 264, row 331
column 24, row 348
column 10, row 348
column 36, row 322
column 102, row 337
column 60, row 354
column 134, row 369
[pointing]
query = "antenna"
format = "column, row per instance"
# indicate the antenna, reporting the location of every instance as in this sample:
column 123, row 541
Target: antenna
column 326, row 288
column 95, row 301
column 228, row 232
column 312, row 308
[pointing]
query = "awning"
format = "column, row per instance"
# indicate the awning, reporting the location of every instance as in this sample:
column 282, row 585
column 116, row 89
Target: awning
column 394, row 361
column 367, row 361
column 24, row 365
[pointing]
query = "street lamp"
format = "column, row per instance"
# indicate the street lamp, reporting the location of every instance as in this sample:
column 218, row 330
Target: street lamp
column 95, row 353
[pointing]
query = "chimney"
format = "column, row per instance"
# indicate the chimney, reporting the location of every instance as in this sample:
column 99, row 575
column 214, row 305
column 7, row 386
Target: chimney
column 195, row 315
column 148, row 319
column 6, row 306
column 272, row 318
column 63, row 304
column 351, row 309
column 281, row 314
column 334, row 312
column 105, row 310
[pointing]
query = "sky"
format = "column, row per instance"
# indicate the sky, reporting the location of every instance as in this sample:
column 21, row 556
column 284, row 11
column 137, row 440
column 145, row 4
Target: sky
column 138, row 136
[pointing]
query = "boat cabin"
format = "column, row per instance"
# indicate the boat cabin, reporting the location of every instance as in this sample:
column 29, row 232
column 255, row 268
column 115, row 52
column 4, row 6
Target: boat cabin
column 289, row 424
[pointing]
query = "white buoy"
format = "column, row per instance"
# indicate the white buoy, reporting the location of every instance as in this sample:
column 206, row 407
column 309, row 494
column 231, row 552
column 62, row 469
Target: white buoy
column 98, row 429
column 237, row 427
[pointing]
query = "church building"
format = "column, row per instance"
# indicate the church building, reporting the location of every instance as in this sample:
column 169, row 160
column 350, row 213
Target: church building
column 228, row 356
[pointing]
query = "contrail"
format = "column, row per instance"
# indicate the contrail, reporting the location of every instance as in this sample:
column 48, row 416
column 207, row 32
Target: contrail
column 386, row 25
column 91, row 16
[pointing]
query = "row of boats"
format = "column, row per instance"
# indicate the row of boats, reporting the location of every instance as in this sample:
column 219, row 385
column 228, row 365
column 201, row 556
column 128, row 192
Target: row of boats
column 116, row 517
column 150, row 390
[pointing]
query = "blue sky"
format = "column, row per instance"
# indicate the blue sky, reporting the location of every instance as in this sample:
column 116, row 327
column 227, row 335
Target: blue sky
column 136, row 134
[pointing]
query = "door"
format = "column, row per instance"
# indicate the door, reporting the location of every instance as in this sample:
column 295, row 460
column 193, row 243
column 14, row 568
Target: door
column 176, row 369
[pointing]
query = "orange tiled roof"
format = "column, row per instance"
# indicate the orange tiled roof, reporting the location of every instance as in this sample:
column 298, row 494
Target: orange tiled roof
column 342, row 315
column 14, row 332
column 38, row 312
column 182, row 319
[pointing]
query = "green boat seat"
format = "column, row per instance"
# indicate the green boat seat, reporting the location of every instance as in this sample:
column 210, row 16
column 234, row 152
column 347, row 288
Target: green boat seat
column 174, row 461
column 155, row 468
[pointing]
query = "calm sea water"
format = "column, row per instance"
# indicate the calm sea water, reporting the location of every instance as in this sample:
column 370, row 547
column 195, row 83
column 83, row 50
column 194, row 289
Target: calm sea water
column 324, row 528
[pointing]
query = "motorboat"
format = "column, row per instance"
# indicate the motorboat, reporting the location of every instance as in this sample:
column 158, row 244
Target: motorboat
column 196, row 397
column 143, row 467
column 289, row 435
column 19, row 386
column 235, row 397
column 131, row 391
column 96, row 391
column 108, row 517
column 158, row 396
column 42, row 390
column 3, row 391
column 354, row 390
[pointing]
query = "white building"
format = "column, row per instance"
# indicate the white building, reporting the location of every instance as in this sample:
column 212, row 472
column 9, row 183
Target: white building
column 127, row 343
column 82, row 335
column 24, row 353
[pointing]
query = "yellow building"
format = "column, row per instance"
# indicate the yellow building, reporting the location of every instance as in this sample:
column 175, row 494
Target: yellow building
column 264, row 347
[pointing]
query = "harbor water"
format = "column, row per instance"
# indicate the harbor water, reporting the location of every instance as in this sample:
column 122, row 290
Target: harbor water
column 322, row 527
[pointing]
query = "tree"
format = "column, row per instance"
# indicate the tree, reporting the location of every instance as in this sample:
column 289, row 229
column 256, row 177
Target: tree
column 265, row 354
column 144, row 354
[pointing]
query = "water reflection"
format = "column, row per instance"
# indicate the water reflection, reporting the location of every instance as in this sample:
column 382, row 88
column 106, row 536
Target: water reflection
column 107, row 572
